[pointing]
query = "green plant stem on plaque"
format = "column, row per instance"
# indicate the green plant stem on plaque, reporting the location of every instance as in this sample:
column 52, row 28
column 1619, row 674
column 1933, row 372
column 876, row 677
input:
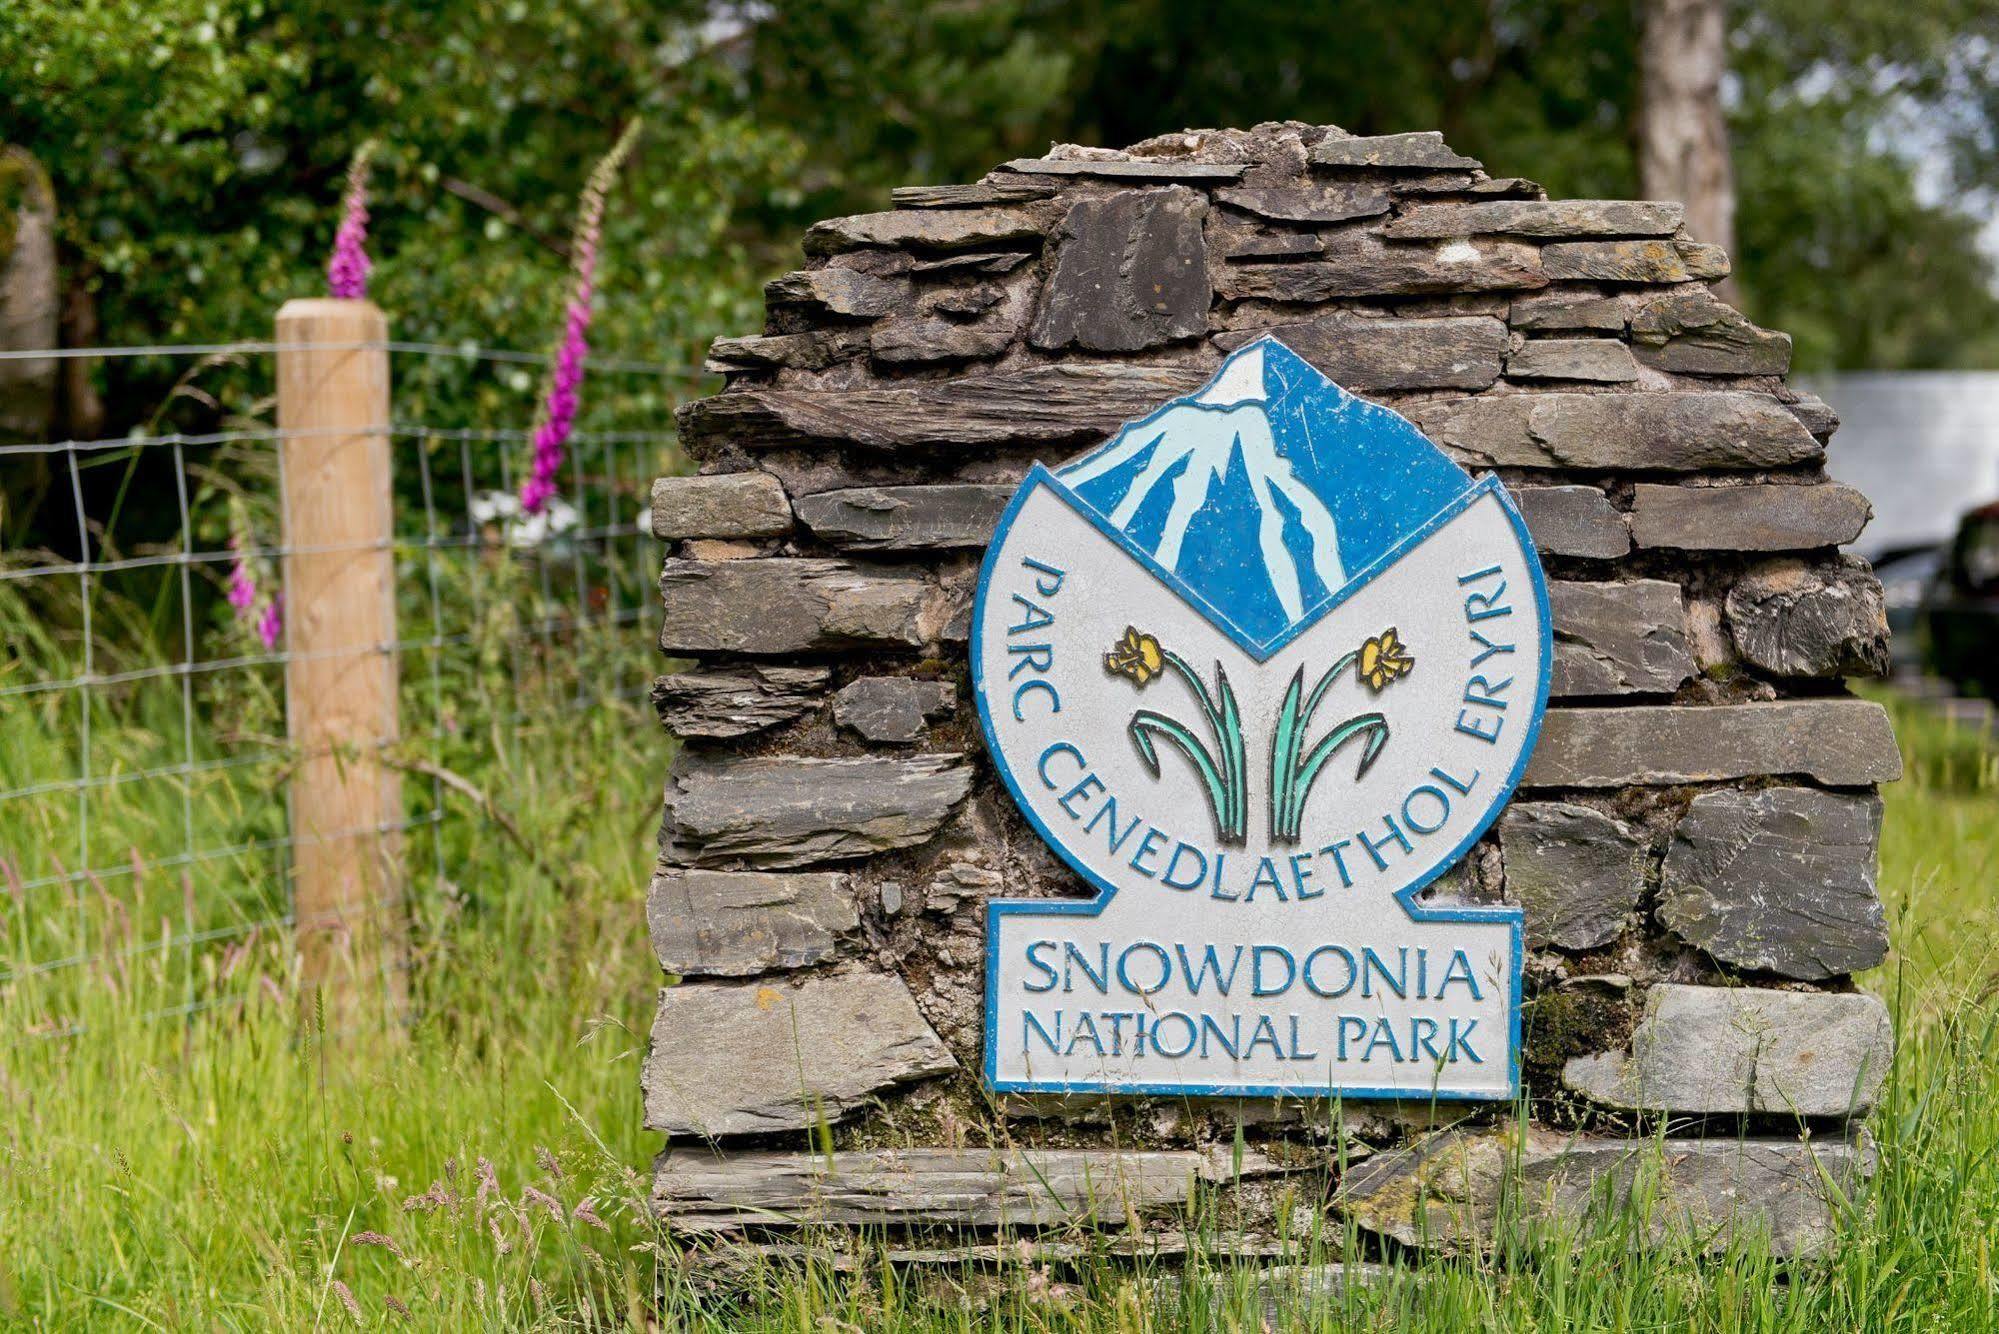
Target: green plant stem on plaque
column 1293, row 768
column 1223, row 770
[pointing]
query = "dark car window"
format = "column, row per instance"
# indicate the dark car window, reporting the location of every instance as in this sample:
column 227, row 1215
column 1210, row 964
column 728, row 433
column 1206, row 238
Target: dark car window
column 1978, row 555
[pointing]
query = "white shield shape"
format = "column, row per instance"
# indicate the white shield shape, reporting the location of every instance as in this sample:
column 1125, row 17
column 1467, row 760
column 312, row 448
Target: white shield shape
column 1260, row 668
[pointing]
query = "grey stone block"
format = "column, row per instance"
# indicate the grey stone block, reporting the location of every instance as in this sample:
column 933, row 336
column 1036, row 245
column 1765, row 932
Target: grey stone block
column 1598, row 360
column 970, row 196
column 1573, row 521
column 1128, row 169
column 921, row 339
column 846, row 292
column 740, row 923
column 1050, row 405
column 794, row 606
column 736, row 504
column 783, row 811
column 1131, row 272
column 1838, row 742
column 933, row 229
column 973, row 264
column 1320, row 202
column 1713, row 1050
column 1694, row 332
column 1455, row 1190
column 1779, row 880
column 1576, row 872
column 1791, row 618
column 1563, row 311
column 1541, row 218
column 701, row 1192
column 1619, row 638
column 1654, row 431
column 1655, row 261
column 1366, row 355
column 1423, row 150
column 1816, row 414
column 906, row 518
column 1763, row 517
column 892, row 709
column 813, row 351
column 737, row 701
column 751, row 1058
column 1362, row 265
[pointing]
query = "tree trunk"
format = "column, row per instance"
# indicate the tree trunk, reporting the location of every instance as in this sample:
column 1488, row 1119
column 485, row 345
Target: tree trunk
column 1682, row 134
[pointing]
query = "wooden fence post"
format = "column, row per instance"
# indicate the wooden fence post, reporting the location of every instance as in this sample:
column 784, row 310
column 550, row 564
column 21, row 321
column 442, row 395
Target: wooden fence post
column 340, row 680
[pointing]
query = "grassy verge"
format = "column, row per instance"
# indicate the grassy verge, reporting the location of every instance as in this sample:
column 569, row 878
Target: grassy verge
column 219, row 1168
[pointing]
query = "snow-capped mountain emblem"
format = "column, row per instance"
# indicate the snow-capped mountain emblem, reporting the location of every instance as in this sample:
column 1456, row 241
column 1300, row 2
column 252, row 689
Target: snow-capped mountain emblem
column 1265, row 492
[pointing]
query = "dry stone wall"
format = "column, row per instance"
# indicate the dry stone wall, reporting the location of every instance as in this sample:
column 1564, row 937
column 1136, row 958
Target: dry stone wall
column 1694, row 845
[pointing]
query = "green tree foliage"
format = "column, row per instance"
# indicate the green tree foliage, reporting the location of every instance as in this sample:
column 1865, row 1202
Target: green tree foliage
column 197, row 145
column 198, row 148
column 1835, row 243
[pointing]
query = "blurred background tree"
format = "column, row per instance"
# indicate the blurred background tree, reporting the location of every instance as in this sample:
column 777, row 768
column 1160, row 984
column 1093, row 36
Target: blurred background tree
column 1836, row 115
column 197, row 146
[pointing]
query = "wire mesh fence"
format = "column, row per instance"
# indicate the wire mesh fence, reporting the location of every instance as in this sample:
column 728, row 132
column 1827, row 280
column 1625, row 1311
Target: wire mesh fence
column 145, row 726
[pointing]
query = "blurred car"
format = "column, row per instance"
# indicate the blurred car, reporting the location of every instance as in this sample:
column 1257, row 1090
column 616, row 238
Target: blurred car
column 1959, row 615
column 1906, row 574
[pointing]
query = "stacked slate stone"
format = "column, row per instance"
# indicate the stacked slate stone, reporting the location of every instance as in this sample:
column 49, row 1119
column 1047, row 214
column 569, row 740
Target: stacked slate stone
column 1694, row 845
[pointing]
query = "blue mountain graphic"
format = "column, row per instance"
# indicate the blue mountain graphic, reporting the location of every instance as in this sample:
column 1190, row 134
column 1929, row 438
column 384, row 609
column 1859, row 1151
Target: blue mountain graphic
column 1267, row 489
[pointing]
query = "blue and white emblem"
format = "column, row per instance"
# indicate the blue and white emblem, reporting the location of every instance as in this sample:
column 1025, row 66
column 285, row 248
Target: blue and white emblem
column 1260, row 668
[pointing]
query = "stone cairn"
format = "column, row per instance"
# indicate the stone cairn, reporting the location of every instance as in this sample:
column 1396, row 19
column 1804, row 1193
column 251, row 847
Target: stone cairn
column 1694, row 845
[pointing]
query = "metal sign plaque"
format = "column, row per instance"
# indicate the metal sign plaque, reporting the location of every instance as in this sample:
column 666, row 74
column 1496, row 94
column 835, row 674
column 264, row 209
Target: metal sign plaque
column 1260, row 668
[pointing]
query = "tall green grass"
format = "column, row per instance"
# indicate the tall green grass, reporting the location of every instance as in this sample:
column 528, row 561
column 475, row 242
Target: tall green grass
column 229, row 1167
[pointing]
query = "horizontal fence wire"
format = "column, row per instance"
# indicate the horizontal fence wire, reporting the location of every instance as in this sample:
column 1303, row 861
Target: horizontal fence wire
column 143, row 725
column 469, row 352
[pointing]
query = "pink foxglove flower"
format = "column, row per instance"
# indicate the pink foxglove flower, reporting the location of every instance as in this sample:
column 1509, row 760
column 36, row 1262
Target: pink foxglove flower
column 261, row 612
column 347, row 269
column 565, row 380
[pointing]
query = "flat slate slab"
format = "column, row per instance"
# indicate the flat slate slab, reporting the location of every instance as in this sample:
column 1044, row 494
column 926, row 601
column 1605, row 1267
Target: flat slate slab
column 1592, row 360
column 780, row 812
column 1778, row 880
column 1128, row 169
column 840, row 291
column 906, row 518
column 1573, row 521
column 1454, row 1191
column 792, row 606
column 750, row 1058
column 737, row 504
column 703, row 1192
column 1050, row 405
column 893, row 709
column 1567, row 311
column 737, row 701
column 1576, row 872
column 1660, row 260
column 1359, row 266
column 1716, row 1050
column 1839, row 742
column 1131, row 272
column 1763, row 517
column 1694, row 332
column 932, row 229
column 1618, row 638
column 1558, row 218
column 1320, row 202
column 1363, row 355
column 741, row 923
column 1663, row 431
column 1420, row 150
